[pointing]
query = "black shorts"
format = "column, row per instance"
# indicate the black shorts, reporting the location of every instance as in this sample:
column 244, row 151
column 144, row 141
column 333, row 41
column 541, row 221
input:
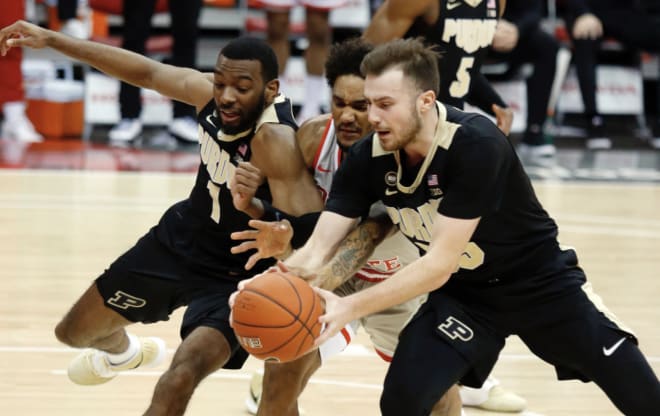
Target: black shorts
column 564, row 327
column 148, row 282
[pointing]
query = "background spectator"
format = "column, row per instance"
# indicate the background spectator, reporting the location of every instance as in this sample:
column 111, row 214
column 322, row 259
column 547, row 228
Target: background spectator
column 519, row 38
column 135, row 30
column 589, row 21
column 16, row 124
column 319, row 36
column 67, row 13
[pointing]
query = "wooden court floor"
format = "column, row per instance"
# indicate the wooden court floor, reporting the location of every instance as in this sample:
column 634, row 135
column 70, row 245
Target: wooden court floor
column 60, row 229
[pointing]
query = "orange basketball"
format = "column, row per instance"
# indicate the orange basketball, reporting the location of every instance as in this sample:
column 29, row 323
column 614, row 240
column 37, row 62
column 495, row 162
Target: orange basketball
column 275, row 317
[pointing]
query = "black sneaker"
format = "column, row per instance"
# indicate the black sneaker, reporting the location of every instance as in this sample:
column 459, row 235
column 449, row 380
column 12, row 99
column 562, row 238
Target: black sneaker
column 596, row 137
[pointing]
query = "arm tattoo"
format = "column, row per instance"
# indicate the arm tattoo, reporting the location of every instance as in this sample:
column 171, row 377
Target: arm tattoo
column 351, row 255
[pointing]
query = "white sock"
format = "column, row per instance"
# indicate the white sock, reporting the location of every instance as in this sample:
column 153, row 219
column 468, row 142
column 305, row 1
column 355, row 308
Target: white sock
column 474, row 397
column 14, row 110
column 131, row 351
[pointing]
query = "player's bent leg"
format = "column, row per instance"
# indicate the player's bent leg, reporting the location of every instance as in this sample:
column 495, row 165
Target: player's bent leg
column 90, row 323
column 492, row 397
column 423, row 369
column 449, row 404
column 283, row 383
column 628, row 379
column 202, row 352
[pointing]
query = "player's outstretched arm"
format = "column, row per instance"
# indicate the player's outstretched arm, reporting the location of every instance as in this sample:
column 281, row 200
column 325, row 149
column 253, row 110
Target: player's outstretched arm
column 183, row 84
column 393, row 19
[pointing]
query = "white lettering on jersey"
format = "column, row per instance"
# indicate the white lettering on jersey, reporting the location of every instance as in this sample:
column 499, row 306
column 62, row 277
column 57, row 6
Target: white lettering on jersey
column 416, row 224
column 470, row 34
column 217, row 161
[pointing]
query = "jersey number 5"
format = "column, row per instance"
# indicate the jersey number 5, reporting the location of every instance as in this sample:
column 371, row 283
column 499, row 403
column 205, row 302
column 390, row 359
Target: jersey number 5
column 460, row 87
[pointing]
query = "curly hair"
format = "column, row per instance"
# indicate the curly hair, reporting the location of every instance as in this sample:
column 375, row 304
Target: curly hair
column 345, row 58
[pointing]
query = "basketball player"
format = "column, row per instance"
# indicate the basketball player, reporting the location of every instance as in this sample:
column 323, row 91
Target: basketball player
column 463, row 31
column 492, row 266
column 186, row 258
column 324, row 141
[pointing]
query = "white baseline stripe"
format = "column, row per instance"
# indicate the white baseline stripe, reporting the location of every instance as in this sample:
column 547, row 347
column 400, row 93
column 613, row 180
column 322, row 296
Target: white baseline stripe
column 351, row 351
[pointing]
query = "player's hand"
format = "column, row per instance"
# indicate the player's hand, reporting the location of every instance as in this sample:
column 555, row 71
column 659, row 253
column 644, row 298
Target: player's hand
column 269, row 238
column 244, row 184
column 504, row 117
column 338, row 313
column 21, row 34
column 587, row 26
column 506, row 36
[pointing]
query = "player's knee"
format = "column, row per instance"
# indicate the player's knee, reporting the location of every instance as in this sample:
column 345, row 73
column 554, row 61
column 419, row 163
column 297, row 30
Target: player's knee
column 400, row 398
column 68, row 336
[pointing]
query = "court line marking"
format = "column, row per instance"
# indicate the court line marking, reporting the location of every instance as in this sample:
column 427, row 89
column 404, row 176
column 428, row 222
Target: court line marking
column 350, row 351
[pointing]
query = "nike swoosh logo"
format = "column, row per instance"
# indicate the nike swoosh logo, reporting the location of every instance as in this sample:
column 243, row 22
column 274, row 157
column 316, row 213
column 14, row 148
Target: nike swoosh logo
column 389, row 192
column 210, row 120
column 610, row 351
column 451, row 6
column 323, row 170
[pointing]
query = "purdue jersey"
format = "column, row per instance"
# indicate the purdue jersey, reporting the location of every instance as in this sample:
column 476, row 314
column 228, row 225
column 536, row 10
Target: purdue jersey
column 199, row 228
column 395, row 251
column 470, row 171
column 464, row 31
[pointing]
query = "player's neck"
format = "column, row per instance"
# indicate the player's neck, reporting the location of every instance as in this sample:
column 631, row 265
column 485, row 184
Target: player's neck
column 419, row 147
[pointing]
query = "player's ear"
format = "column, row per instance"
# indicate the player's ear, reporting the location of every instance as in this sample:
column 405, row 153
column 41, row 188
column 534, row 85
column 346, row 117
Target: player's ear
column 427, row 100
column 272, row 89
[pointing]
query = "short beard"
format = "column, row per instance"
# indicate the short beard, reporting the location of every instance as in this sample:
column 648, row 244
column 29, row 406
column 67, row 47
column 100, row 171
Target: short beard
column 250, row 119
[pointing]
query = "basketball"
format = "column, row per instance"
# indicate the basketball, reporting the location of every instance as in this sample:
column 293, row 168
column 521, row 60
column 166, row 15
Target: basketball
column 275, row 317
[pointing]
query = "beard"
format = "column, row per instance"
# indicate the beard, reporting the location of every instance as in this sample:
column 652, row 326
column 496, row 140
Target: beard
column 248, row 119
column 407, row 133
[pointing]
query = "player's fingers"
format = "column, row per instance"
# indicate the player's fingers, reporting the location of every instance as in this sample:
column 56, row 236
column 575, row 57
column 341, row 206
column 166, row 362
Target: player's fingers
column 232, row 298
column 259, row 224
column 244, row 235
column 282, row 267
column 243, row 247
column 253, row 260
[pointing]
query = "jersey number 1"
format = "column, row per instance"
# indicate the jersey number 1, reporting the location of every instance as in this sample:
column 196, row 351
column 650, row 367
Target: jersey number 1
column 214, row 193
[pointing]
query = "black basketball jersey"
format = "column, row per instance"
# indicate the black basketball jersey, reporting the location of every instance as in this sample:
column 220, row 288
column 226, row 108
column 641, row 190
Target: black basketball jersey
column 470, row 171
column 199, row 228
column 464, row 31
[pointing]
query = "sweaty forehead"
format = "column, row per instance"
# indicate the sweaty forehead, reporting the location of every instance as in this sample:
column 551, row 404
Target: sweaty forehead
column 238, row 68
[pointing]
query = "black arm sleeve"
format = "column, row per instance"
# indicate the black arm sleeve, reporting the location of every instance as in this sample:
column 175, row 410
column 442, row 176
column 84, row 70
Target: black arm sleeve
column 483, row 95
column 302, row 225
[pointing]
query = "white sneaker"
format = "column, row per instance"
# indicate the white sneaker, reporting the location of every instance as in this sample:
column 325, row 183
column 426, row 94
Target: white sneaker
column 655, row 142
column 20, row 129
column 127, row 130
column 75, row 28
column 599, row 143
column 92, row 367
column 491, row 396
column 253, row 399
column 540, row 155
column 185, row 128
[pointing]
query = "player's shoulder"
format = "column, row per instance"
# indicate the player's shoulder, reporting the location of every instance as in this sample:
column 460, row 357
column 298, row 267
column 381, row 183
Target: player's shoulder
column 310, row 135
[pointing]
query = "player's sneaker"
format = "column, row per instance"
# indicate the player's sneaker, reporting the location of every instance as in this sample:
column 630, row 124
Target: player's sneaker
column 493, row 397
column 92, row 367
column 127, row 130
column 252, row 401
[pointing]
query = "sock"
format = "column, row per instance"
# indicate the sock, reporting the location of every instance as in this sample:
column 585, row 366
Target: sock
column 474, row 397
column 123, row 357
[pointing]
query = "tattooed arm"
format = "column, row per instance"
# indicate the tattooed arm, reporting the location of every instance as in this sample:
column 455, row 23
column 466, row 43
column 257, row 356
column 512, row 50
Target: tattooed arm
column 353, row 252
